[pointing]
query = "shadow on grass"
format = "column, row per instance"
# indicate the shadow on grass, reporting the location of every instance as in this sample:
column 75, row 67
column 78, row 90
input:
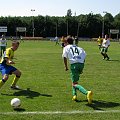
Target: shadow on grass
column 113, row 60
column 99, row 105
column 19, row 109
column 28, row 93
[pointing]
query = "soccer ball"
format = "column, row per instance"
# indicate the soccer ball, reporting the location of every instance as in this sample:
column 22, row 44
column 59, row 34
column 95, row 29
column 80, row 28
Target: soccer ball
column 15, row 103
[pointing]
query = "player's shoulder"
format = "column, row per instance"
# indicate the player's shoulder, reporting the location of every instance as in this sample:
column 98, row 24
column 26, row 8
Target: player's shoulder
column 80, row 47
column 9, row 49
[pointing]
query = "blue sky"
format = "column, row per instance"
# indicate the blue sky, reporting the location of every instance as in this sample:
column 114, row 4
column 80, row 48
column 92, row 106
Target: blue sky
column 57, row 7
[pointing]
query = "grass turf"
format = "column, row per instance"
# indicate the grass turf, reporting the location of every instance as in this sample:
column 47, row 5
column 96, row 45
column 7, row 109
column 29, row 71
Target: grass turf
column 45, row 86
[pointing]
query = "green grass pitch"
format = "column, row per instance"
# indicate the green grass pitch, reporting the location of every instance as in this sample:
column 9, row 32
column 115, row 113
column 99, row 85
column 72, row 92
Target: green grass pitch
column 46, row 88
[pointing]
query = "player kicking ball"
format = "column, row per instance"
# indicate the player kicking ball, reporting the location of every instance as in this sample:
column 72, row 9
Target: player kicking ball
column 76, row 57
column 6, row 67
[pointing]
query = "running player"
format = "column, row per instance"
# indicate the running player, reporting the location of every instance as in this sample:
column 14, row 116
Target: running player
column 104, row 48
column 76, row 56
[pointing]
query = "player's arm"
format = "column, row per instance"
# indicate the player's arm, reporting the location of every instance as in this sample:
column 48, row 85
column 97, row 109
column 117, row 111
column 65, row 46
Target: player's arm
column 65, row 63
column 7, row 58
column 8, row 61
column 64, row 55
column 109, row 43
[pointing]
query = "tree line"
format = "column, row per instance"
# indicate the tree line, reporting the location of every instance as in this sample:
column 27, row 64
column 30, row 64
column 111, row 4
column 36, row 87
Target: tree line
column 89, row 25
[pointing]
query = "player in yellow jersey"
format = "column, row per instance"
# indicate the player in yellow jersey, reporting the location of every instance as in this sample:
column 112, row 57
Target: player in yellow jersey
column 99, row 41
column 6, row 67
column 63, row 42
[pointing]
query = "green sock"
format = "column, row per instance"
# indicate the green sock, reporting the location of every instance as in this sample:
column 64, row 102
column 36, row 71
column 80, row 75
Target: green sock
column 1, row 83
column 74, row 91
column 81, row 89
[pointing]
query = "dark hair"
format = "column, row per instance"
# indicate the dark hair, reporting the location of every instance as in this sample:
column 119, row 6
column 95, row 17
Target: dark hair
column 70, row 40
column 15, row 42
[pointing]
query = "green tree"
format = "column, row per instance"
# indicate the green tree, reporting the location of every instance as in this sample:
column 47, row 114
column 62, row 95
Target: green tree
column 109, row 22
column 117, row 21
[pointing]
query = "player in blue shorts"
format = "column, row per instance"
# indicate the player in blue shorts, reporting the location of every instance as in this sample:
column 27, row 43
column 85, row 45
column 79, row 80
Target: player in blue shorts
column 6, row 67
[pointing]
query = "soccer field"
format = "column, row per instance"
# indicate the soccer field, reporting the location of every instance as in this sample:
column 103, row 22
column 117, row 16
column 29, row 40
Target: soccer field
column 46, row 88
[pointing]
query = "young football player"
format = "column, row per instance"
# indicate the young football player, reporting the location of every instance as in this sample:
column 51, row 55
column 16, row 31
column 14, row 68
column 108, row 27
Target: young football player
column 76, row 57
column 3, row 44
column 6, row 67
column 104, row 47
column 99, row 41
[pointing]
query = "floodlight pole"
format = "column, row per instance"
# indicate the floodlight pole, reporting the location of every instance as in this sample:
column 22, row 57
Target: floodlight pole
column 103, row 25
column 33, row 23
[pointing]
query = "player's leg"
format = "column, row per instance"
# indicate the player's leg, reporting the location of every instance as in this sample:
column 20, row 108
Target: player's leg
column 80, row 88
column 74, row 90
column 4, row 79
column 5, row 74
column 99, row 46
column 103, row 53
column 76, row 70
column 74, row 93
column 89, row 94
column 17, row 74
column 106, row 54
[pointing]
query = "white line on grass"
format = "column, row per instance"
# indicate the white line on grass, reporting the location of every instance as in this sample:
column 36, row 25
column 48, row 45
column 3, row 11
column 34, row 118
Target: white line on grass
column 61, row 112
